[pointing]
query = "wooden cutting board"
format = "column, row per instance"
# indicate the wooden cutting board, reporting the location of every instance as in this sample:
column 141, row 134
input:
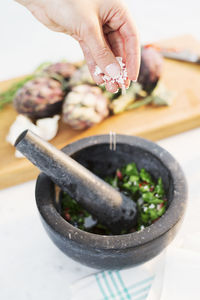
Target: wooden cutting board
column 148, row 122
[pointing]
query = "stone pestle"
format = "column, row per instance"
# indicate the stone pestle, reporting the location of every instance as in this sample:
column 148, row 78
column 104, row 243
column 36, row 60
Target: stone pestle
column 106, row 204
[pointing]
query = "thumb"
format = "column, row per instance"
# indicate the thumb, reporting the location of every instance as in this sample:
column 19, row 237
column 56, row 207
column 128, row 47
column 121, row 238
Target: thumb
column 102, row 54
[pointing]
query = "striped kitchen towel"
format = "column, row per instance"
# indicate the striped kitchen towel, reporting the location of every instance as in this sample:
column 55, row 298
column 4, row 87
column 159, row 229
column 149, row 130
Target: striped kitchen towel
column 132, row 284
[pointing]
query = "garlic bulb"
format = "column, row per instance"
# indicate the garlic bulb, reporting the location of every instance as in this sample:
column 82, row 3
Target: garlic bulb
column 46, row 128
column 85, row 106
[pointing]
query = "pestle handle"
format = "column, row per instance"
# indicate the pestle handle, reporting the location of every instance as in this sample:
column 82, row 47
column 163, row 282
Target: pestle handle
column 104, row 202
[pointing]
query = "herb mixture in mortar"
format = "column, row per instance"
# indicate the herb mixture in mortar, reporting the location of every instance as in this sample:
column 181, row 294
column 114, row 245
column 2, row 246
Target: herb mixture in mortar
column 137, row 185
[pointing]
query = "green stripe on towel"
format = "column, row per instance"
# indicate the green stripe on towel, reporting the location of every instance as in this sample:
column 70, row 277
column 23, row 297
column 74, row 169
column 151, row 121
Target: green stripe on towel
column 142, row 290
column 141, row 282
column 111, row 288
column 144, row 297
column 115, row 285
column 123, row 285
column 101, row 288
column 108, row 286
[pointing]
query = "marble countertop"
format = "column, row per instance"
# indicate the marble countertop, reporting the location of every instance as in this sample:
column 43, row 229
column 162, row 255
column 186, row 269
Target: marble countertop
column 31, row 267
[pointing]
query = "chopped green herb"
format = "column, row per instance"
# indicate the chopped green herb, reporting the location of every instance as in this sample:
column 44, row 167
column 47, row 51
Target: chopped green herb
column 138, row 185
column 145, row 176
column 159, row 189
column 130, row 169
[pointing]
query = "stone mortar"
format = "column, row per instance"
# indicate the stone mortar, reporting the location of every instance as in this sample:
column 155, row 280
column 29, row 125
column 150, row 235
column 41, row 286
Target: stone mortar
column 118, row 251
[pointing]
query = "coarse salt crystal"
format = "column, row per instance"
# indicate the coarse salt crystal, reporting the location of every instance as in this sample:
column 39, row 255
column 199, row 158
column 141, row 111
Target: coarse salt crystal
column 120, row 79
column 152, row 206
column 146, row 187
column 97, row 71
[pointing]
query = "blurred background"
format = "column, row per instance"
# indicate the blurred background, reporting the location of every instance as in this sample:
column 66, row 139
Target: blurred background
column 25, row 43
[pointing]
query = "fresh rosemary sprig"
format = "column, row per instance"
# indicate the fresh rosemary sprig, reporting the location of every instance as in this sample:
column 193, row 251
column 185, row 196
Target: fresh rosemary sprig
column 7, row 96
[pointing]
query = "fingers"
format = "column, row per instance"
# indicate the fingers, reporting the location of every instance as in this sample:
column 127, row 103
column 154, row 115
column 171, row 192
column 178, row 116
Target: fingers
column 111, row 87
column 132, row 48
column 100, row 51
column 116, row 44
column 91, row 63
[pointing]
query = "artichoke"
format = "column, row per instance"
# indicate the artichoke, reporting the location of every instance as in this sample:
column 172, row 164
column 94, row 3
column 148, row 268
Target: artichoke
column 39, row 98
column 150, row 69
column 85, row 106
column 63, row 69
column 80, row 76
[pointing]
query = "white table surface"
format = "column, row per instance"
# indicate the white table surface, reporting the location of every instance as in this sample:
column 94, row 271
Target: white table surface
column 31, row 267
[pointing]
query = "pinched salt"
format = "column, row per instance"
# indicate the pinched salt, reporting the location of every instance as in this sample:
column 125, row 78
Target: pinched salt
column 120, row 79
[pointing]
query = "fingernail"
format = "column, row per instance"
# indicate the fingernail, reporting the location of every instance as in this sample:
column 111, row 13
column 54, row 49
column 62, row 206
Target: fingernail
column 113, row 70
column 134, row 80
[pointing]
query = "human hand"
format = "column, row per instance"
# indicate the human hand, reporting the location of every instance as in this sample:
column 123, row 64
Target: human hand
column 104, row 30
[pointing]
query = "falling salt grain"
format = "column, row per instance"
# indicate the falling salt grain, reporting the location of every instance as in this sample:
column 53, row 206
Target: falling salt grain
column 123, row 90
